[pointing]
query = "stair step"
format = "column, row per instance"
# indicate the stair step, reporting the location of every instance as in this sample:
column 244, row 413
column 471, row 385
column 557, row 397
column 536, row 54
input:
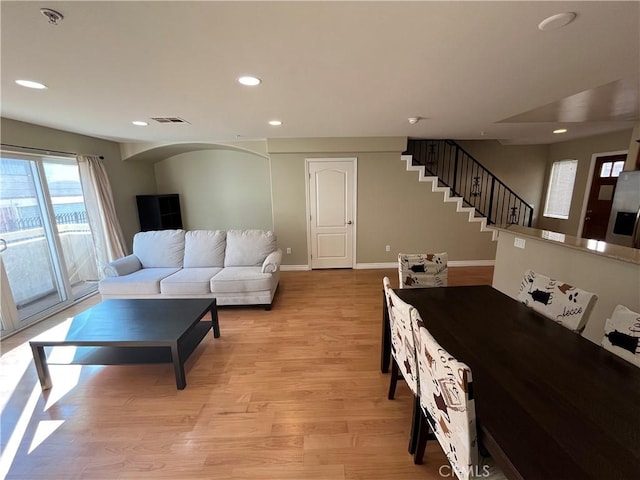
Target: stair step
column 473, row 215
column 444, row 162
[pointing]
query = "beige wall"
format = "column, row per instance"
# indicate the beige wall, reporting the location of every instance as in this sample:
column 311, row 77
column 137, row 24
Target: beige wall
column 271, row 194
column 393, row 207
column 127, row 180
column 219, row 189
column 521, row 167
column 289, row 207
column 581, row 150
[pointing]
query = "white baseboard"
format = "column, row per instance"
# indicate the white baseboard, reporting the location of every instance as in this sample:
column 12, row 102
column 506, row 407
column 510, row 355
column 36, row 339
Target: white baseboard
column 294, row 268
column 471, row 263
column 366, row 266
column 450, row 263
column 387, row 265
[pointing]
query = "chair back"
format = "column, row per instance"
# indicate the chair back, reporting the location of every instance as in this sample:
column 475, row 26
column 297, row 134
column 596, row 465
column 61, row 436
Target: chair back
column 402, row 341
column 446, row 399
column 622, row 334
column 568, row 305
column 420, row 270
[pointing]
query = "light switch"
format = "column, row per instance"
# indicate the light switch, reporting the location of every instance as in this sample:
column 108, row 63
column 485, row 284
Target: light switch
column 518, row 242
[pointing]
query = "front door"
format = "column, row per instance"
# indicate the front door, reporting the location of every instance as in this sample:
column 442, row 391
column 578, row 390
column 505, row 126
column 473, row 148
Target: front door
column 605, row 175
column 332, row 212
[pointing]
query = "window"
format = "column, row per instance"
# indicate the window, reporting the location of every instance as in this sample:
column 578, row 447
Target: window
column 560, row 190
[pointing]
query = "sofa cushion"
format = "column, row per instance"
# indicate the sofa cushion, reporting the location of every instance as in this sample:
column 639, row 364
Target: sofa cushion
column 248, row 247
column 241, row 279
column 204, row 248
column 142, row 282
column 189, row 281
column 159, row 249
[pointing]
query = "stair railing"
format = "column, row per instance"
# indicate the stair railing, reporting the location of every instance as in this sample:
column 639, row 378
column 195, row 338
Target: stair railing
column 468, row 179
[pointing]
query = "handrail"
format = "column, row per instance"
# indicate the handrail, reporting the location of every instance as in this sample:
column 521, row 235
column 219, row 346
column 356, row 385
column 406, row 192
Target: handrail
column 473, row 182
column 451, row 142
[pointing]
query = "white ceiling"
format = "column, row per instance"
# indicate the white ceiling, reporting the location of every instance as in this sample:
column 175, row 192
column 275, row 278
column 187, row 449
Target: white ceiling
column 328, row 69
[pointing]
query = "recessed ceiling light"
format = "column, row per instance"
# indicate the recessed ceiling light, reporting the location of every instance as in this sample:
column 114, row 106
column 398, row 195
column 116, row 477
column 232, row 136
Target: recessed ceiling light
column 557, row 21
column 140, row 123
column 560, row 130
column 275, row 123
column 31, row 84
column 249, row 81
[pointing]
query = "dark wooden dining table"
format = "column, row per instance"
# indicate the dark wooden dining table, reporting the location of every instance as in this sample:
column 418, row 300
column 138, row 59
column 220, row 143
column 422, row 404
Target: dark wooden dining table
column 550, row 404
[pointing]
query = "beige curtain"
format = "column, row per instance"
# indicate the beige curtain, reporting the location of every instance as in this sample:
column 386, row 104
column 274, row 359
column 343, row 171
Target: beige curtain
column 101, row 213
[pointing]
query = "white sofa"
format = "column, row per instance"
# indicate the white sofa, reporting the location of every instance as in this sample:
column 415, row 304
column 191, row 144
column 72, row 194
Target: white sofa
column 237, row 267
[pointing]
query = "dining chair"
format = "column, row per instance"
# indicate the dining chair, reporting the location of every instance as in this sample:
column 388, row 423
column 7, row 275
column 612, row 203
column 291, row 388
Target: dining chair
column 448, row 408
column 568, row 305
column 403, row 353
column 420, row 270
column 622, row 334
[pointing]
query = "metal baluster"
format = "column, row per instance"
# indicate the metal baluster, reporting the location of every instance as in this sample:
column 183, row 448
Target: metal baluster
column 455, row 168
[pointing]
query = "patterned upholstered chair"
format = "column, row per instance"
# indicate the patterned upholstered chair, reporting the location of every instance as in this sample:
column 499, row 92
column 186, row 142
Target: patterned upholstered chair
column 420, row 270
column 448, row 408
column 403, row 352
column 402, row 343
column 622, row 334
column 557, row 300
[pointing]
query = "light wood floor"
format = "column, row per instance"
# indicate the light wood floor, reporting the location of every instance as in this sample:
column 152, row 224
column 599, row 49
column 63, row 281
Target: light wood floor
column 293, row 393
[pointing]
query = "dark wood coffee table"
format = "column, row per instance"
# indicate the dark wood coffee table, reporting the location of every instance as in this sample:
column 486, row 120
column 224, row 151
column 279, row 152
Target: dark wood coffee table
column 132, row 331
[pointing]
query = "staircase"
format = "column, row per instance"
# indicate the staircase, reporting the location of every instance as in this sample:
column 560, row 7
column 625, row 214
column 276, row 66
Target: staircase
column 462, row 179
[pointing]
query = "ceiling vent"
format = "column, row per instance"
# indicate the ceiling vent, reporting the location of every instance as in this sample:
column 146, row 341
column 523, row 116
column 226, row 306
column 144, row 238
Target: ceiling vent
column 169, row 120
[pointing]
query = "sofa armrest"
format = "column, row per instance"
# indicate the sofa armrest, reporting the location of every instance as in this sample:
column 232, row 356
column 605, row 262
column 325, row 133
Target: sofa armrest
column 122, row 266
column 272, row 262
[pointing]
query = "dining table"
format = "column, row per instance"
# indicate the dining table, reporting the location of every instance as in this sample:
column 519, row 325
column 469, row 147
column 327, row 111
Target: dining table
column 550, row 404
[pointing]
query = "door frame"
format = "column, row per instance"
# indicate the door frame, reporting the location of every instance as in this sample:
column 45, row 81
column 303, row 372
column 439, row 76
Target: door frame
column 8, row 310
column 585, row 199
column 354, row 161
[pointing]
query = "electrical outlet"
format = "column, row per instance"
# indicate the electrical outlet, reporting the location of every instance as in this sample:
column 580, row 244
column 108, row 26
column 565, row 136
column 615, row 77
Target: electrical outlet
column 387, row 248
column 288, row 250
column 518, row 242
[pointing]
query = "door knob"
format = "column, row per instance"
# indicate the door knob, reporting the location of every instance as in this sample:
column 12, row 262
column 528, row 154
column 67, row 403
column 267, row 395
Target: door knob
column 587, row 219
column 349, row 222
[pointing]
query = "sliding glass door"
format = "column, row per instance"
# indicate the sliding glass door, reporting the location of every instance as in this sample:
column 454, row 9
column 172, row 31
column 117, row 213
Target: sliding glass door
column 70, row 218
column 49, row 260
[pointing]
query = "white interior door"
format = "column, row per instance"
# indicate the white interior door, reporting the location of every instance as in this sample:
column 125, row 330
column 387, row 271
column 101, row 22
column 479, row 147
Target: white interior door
column 332, row 187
